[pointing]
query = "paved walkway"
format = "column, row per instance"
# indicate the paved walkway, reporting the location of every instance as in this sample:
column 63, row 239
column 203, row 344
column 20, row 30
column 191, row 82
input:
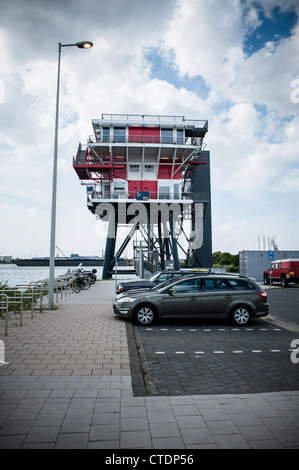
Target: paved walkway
column 68, row 384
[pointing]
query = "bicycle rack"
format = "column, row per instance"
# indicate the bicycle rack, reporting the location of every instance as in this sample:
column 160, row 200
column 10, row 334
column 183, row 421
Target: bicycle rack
column 4, row 306
column 28, row 294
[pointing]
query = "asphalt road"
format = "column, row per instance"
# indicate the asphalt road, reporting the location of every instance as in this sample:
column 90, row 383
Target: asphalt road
column 210, row 357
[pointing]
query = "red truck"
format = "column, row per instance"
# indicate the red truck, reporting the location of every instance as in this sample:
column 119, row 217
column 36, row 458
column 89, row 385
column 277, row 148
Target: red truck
column 283, row 271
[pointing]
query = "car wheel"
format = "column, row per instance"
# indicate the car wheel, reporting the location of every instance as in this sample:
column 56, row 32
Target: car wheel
column 241, row 315
column 145, row 315
column 266, row 280
column 284, row 282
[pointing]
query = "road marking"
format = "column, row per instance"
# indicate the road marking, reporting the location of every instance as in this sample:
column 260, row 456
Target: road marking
column 284, row 324
column 216, row 329
column 235, row 351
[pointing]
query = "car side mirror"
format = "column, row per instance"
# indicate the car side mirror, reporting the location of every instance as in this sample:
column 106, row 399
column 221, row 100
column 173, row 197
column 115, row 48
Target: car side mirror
column 172, row 291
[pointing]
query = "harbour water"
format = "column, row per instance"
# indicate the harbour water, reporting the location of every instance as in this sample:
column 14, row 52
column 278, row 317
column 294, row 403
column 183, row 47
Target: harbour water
column 15, row 275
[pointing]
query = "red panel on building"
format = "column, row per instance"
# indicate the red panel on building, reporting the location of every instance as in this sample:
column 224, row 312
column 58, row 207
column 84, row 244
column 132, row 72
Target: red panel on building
column 120, row 172
column 142, row 186
column 151, row 186
column 165, row 172
column 177, row 175
column 144, row 134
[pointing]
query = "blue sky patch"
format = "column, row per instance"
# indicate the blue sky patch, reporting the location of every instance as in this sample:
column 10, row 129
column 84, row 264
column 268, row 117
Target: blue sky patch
column 165, row 70
column 278, row 26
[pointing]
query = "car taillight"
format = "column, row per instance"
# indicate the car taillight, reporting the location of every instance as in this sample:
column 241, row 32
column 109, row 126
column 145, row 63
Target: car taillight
column 263, row 294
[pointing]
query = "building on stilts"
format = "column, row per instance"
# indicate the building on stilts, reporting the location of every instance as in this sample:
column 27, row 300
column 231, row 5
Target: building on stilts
column 150, row 174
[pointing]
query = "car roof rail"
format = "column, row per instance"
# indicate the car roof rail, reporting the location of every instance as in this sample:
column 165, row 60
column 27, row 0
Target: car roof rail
column 218, row 274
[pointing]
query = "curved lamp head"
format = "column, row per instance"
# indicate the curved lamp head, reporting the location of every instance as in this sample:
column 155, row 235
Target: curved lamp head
column 84, row 44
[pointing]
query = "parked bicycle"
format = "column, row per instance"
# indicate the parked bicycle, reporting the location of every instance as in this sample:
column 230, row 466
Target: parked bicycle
column 82, row 279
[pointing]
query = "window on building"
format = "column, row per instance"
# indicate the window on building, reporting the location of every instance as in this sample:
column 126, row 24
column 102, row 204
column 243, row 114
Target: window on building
column 149, row 168
column 180, row 136
column 167, row 136
column 106, row 134
column 164, row 191
column 134, row 168
column 119, row 188
column 119, row 134
column 176, row 191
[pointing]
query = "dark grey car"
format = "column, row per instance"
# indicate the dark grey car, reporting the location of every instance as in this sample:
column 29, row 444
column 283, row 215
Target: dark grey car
column 197, row 296
column 156, row 278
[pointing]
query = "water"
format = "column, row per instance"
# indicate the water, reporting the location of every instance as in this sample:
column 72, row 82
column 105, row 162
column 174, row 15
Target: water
column 15, row 275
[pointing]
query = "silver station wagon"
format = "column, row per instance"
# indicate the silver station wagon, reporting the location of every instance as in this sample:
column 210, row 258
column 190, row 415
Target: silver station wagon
column 233, row 297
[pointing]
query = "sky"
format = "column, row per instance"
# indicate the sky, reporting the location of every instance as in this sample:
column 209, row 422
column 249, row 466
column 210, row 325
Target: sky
column 232, row 62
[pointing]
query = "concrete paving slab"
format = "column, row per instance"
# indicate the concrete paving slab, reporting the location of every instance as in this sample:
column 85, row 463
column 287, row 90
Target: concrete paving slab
column 70, row 384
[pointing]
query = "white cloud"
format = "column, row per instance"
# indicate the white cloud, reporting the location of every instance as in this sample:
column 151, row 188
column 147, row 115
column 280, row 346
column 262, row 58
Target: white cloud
column 253, row 123
column 289, row 183
column 251, row 18
column 202, row 41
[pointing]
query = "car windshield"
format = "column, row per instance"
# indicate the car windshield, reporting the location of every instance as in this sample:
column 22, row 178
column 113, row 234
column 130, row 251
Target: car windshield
column 165, row 284
column 154, row 276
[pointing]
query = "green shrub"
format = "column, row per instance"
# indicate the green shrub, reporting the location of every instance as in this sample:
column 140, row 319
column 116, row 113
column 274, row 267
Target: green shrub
column 226, row 260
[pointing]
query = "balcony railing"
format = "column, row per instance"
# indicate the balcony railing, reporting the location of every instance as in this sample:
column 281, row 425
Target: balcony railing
column 99, row 162
column 153, row 119
column 140, row 195
column 119, row 162
column 139, row 139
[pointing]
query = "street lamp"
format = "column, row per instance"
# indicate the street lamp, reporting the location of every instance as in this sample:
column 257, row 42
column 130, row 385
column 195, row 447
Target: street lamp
column 81, row 45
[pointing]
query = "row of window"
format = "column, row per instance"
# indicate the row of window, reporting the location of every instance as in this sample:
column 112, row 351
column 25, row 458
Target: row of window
column 165, row 192
column 196, row 285
column 147, row 168
column 166, row 136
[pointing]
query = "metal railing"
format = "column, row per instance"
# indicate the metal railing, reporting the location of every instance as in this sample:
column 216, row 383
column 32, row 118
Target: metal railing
column 4, row 307
column 14, row 300
column 104, row 161
column 153, row 119
column 142, row 195
column 145, row 139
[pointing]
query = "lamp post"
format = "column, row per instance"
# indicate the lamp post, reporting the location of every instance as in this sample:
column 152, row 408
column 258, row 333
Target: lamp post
column 81, row 45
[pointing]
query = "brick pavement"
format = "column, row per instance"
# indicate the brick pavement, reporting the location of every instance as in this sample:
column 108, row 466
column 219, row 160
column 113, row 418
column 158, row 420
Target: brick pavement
column 68, row 384
column 187, row 358
column 73, row 340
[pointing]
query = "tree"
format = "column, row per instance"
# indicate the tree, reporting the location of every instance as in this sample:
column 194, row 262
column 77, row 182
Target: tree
column 235, row 261
column 226, row 258
column 216, row 257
